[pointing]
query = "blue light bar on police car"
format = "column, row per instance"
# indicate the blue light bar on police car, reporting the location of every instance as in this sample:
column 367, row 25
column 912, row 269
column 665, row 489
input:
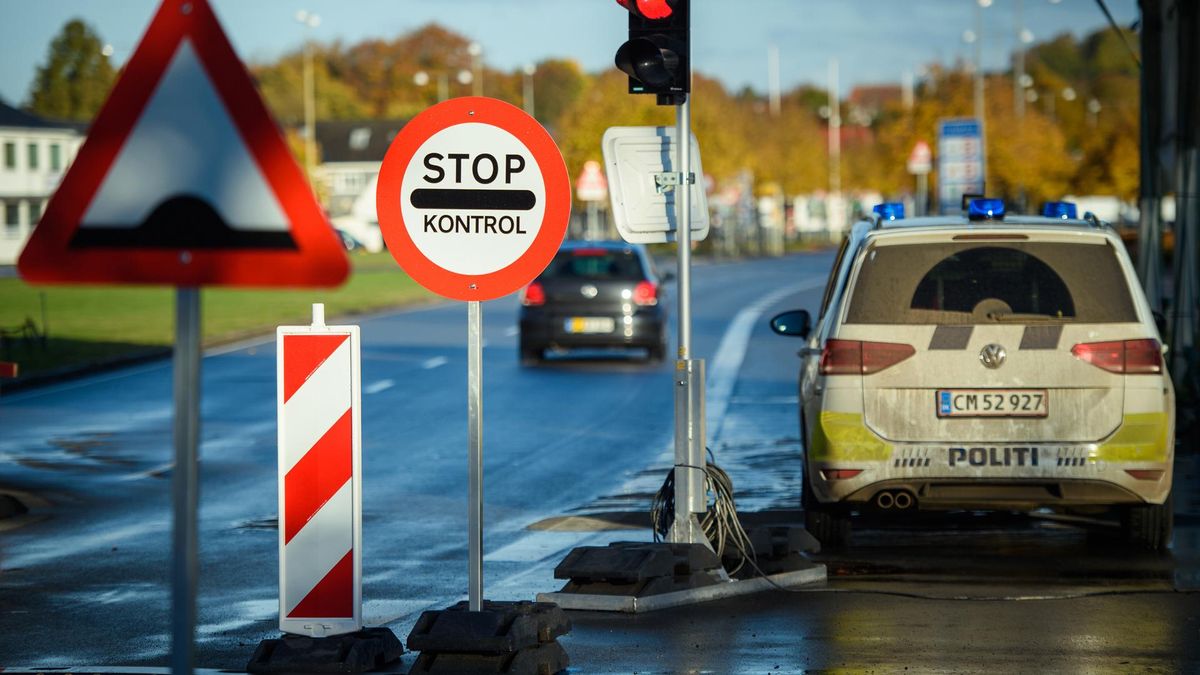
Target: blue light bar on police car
column 1064, row 210
column 985, row 209
column 890, row 211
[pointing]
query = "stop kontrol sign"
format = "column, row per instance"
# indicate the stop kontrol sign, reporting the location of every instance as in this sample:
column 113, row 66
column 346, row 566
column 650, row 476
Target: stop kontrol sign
column 473, row 198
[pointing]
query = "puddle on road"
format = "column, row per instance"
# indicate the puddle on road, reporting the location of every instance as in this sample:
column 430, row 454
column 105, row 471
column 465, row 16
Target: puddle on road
column 269, row 523
column 994, row 556
column 90, row 452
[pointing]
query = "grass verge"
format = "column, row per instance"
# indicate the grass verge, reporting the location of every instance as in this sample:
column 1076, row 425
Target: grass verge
column 88, row 325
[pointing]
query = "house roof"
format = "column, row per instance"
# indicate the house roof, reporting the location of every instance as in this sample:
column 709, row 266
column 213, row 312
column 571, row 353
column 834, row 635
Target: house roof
column 356, row 141
column 15, row 118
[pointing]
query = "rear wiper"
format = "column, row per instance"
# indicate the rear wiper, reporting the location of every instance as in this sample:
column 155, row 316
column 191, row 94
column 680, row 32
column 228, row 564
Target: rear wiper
column 1013, row 317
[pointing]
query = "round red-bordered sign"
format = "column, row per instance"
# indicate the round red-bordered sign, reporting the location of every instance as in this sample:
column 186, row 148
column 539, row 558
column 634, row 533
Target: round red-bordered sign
column 473, row 198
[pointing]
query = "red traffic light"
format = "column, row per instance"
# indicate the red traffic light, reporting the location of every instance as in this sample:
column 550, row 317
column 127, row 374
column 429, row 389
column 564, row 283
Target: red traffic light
column 650, row 9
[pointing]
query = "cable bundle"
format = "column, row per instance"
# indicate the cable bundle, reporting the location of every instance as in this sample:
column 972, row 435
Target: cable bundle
column 720, row 522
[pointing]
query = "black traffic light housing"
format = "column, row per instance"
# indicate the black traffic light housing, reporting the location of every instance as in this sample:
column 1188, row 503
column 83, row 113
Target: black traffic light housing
column 657, row 57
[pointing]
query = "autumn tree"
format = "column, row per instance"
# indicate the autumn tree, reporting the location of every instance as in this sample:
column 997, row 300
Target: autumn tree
column 76, row 77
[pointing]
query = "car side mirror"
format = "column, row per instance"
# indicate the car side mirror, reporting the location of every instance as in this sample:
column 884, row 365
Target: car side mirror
column 796, row 323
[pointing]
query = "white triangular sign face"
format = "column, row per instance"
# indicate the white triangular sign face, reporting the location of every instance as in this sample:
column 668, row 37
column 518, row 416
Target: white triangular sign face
column 161, row 170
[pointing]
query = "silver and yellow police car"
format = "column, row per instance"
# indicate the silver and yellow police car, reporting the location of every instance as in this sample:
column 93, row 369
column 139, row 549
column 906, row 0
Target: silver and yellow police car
column 984, row 362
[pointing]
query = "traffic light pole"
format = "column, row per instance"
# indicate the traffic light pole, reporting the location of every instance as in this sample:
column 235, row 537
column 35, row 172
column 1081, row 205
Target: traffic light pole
column 690, row 432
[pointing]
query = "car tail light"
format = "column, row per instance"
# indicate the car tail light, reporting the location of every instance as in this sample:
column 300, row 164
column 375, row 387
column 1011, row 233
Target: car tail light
column 645, row 293
column 854, row 357
column 1145, row 474
column 839, row 474
column 1130, row 357
column 533, row 295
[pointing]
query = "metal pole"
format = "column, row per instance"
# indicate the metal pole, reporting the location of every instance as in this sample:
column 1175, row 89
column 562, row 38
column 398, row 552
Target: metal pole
column 1150, row 184
column 475, row 452
column 773, row 85
column 310, row 131
column 185, row 486
column 683, row 229
column 1019, row 75
column 1187, row 262
column 689, row 386
column 835, row 132
column 979, row 63
column 922, row 193
column 527, row 89
column 593, row 221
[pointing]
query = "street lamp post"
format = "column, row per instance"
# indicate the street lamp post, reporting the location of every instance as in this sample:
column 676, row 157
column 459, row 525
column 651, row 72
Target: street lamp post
column 464, row 77
column 979, row 7
column 309, row 21
column 476, row 51
column 1024, row 37
column 527, row 90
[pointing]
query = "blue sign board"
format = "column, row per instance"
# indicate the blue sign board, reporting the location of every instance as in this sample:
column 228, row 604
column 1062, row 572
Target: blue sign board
column 961, row 163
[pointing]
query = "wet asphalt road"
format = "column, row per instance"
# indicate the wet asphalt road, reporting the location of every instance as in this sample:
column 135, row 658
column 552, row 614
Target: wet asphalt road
column 84, row 580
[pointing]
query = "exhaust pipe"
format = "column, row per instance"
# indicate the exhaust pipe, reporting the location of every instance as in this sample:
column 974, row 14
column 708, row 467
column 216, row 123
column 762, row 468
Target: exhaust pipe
column 885, row 500
column 903, row 500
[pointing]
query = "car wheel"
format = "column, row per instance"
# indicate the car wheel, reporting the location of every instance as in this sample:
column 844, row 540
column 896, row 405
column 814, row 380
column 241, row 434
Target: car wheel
column 530, row 356
column 830, row 526
column 656, row 354
column 1148, row 526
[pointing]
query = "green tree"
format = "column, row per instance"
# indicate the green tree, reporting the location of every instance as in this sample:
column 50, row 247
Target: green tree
column 76, row 77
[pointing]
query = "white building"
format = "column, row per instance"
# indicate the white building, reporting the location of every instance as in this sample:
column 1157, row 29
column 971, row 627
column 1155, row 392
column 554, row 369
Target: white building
column 34, row 155
column 351, row 154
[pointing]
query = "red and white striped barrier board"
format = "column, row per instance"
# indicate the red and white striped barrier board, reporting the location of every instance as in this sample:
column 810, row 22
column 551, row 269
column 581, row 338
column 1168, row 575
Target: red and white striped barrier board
column 320, row 479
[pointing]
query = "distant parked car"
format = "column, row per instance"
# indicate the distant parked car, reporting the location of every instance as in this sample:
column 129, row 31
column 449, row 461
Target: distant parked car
column 351, row 244
column 595, row 295
column 984, row 361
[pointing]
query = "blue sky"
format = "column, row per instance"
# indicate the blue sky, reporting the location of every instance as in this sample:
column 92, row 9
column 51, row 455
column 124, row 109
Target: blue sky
column 874, row 40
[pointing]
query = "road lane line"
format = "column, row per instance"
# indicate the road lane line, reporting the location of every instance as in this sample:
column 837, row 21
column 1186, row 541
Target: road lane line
column 723, row 370
column 435, row 362
column 376, row 387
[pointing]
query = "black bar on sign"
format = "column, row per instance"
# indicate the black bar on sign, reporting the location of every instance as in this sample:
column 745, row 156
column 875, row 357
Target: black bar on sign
column 477, row 200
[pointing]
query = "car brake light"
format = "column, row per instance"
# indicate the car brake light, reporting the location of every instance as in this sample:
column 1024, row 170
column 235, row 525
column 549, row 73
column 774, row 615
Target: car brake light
column 1145, row 474
column 855, row 357
column 839, row 474
column 1130, row 357
column 533, row 295
column 645, row 293
column 1143, row 357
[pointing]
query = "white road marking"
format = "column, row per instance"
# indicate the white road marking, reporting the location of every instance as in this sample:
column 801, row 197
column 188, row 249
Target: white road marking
column 511, row 331
column 723, row 370
column 376, row 387
column 435, row 362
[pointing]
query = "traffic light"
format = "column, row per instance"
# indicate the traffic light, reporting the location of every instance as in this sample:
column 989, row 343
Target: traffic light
column 657, row 56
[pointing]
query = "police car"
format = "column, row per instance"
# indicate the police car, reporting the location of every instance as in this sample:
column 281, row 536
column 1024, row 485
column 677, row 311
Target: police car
column 984, row 361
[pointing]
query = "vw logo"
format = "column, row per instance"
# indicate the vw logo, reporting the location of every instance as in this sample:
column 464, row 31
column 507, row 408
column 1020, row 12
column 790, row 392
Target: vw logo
column 992, row 356
column 589, row 291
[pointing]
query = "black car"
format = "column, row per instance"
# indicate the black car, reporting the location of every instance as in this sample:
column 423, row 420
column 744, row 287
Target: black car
column 595, row 295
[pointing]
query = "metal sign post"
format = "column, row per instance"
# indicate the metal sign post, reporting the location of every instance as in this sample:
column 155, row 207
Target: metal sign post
column 475, row 453
column 185, row 486
column 690, row 434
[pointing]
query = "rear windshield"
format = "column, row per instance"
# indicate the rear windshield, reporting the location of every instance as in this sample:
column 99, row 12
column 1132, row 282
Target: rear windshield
column 973, row 283
column 596, row 264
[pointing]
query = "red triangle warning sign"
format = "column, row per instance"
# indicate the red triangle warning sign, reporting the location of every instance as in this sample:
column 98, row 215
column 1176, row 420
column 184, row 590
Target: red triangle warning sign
column 184, row 178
